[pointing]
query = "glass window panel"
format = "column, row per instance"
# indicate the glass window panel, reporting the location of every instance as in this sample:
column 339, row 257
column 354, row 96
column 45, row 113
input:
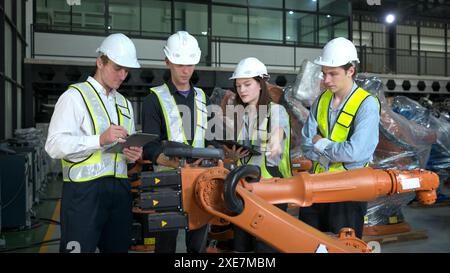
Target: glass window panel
column 266, row 3
column 266, row 25
column 203, row 44
column 331, row 27
column 341, row 29
column 89, row 16
column 156, row 16
column 194, row 19
column 229, row 22
column 300, row 28
column 8, row 109
column 124, row 15
column 236, row 2
column 340, row 7
column 19, row 60
column 307, row 5
column 19, row 17
column 8, row 8
column 53, row 13
column 191, row 17
column 8, row 50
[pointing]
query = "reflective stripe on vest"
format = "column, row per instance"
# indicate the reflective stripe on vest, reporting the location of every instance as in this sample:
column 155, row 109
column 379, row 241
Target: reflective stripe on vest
column 342, row 127
column 174, row 122
column 260, row 160
column 99, row 164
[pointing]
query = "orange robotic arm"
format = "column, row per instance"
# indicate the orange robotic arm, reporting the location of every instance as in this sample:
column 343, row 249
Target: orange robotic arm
column 212, row 193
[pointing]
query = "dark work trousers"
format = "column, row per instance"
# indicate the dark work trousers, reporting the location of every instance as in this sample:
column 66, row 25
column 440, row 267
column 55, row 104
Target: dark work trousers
column 331, row 217
column 95, row 214
column 166, row 241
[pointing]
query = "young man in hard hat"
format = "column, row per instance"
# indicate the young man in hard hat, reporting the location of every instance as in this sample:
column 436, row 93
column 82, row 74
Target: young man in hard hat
column 341, row 134
column 176, row 111
column 89, row 117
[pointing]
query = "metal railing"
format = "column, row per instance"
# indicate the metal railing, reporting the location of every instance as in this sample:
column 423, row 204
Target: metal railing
column 373, row 59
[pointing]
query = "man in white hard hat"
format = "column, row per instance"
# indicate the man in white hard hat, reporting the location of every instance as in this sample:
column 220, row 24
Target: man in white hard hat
column 96, row 205
column 341, row 134
column 176, row 111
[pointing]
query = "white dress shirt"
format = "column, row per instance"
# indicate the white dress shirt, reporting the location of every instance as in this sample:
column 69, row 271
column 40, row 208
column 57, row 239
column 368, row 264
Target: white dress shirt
column 70, row 133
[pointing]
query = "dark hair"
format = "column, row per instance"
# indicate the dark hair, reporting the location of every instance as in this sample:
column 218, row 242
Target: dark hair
column 346, row 67
column 104, row 59
column 264, row 97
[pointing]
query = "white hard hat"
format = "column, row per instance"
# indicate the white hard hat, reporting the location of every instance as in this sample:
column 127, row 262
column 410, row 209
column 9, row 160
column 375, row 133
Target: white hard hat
column 338, row 52
column 182, row 48
column 119, row 49
column 250, row 67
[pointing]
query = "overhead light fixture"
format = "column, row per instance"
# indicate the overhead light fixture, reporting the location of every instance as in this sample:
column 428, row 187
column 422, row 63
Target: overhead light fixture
column 288, row 37
column 291, row 12
column 328, row 16
column 204, row 32
column 390, row 18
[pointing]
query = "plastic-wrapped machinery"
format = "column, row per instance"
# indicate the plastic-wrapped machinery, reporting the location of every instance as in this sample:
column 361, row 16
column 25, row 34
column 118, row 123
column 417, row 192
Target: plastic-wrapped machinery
column 403, row 145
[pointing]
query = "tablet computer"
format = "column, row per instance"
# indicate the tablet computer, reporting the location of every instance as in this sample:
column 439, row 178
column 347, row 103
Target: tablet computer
column 230, row 143
column 137, row 140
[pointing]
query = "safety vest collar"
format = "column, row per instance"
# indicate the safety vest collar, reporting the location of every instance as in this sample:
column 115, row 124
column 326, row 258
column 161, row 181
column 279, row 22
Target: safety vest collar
column 173, row 120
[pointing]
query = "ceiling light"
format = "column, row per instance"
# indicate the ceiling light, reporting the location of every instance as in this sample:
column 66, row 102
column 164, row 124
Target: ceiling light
column 390, row 18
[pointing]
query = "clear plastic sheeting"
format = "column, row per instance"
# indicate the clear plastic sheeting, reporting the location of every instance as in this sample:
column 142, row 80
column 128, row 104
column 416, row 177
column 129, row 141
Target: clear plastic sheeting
column 307, row 85
column 403, row 144
column 439, row 160
column 299, row 115
column 386, row 210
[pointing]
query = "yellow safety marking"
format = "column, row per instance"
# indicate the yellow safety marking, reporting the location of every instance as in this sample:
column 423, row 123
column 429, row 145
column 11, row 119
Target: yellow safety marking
column 155, row 202
column 157, row 180
column 163, row 223
column 51, row 228
column 393, row 220
column 149, row 241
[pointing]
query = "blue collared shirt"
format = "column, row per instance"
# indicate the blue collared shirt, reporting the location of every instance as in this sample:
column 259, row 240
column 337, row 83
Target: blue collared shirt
column 356, row 151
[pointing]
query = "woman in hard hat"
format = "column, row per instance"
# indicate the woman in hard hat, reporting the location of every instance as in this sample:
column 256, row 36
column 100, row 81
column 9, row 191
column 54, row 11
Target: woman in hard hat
column 91, row 115
column 341, row 133
column 265, row 127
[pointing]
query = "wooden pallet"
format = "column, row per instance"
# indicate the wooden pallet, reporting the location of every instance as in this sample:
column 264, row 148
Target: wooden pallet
column 418, row 234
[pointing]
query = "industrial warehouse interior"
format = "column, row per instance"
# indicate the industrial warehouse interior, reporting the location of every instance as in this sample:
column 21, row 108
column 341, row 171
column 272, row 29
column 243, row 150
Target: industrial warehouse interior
column 224, row 195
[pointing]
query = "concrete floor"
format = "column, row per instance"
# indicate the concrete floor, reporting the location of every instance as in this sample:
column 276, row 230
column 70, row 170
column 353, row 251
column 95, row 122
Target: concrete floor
column 435, row 220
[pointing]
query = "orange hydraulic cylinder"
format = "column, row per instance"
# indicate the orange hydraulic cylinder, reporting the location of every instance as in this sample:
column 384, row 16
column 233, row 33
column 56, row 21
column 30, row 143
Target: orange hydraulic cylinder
column 363, row 184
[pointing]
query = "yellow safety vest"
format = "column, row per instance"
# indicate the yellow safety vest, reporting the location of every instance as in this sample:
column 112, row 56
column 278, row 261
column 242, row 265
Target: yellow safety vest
column 341, row 129
column 99, row 164
column 174, row 122
column 260, row 160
